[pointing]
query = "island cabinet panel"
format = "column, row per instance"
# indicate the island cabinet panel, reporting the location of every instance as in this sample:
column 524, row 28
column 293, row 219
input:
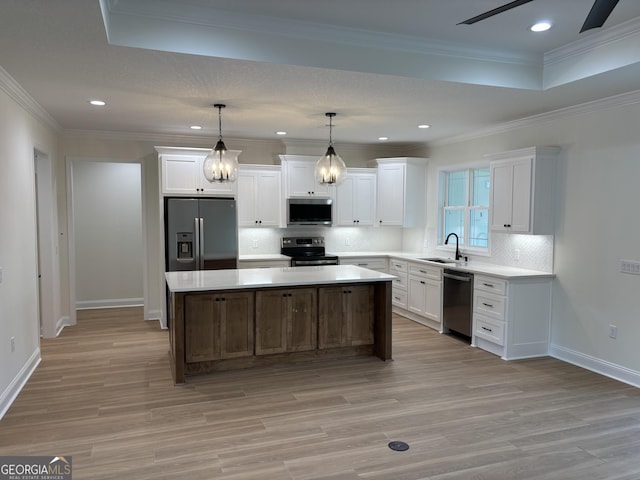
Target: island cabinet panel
column 286, row 320
column 218, row 326
column 346, row 316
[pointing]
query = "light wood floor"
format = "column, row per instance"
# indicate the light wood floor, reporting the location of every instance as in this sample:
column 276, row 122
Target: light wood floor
column 103, row 394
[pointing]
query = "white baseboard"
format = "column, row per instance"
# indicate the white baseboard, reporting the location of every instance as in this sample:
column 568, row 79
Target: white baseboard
column 61, row 323
column 155, row 315
column 17, row 384
column 608, row 369
column 109, row 303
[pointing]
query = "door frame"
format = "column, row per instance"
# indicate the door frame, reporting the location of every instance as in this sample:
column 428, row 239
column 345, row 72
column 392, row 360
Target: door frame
column 47, row 247
column 69, row 162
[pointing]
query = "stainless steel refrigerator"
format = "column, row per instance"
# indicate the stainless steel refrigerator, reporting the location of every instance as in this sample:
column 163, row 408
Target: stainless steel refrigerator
column 200, row 234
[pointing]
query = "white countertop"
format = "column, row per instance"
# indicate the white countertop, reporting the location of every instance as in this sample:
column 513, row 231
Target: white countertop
column 479, row 267
column 472, row 266
column 207, row 280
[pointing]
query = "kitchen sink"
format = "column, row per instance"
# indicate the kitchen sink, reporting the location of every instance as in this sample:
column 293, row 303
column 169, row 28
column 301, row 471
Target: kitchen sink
column 439, row 260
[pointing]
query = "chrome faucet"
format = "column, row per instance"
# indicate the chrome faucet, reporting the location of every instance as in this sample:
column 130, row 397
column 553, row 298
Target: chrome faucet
column 446, row 242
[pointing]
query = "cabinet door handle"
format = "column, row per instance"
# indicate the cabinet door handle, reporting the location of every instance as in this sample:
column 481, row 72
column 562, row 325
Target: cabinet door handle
column 487, row 329
column 489, row 285
column 422, row 271
column 422, row 282
column 487, row 305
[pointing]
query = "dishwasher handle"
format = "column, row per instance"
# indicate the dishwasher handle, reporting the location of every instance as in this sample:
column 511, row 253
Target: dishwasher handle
column 457, row 277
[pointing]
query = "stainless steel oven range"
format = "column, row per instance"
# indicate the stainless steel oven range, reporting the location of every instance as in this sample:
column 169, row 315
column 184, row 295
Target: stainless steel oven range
column 306, row 251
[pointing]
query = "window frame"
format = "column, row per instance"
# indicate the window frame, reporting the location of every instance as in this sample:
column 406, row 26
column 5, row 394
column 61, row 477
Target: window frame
column 443, row 173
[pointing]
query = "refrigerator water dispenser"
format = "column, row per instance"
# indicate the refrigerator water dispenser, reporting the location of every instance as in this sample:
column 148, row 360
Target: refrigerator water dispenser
column 185, row 246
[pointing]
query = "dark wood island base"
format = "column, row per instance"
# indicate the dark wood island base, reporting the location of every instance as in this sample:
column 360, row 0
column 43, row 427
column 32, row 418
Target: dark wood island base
column 215, row 330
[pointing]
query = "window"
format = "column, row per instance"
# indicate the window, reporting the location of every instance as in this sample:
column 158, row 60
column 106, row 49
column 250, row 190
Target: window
column 464, row 201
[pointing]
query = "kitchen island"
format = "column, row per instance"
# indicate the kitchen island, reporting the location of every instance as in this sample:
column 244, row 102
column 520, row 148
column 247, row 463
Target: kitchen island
column 226, row 319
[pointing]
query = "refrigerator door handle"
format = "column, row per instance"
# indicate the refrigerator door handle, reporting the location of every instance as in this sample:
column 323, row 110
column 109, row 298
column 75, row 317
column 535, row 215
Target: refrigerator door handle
column 196, row 253
column 201, row 241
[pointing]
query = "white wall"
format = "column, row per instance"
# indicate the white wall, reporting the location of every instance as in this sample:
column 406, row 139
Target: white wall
column 597, row 224
column 20, row 134
column 107, row 213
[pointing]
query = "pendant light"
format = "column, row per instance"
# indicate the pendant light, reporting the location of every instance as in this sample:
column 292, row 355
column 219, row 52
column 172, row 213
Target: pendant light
column 330, row 169
column 220, row 165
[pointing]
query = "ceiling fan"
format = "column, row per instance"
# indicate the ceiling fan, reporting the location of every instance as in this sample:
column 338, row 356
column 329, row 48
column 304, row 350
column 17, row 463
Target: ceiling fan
column 599, row 13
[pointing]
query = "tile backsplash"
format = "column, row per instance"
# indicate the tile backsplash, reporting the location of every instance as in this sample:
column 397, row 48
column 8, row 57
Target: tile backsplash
column 533, row 252
column 257, row 241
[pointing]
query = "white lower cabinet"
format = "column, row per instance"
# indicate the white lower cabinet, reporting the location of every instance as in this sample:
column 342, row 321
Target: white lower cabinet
column 423, row 294
column 276, row 263
column 399, row 268
column 378, row 264
column 512, row 318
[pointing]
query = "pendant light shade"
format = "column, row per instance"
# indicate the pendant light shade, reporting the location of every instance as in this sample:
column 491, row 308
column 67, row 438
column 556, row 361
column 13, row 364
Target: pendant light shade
column 220, row 165
column 330, row 169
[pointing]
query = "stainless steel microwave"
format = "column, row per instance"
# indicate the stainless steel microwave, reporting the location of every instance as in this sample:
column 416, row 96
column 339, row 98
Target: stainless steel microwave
column 309, row 211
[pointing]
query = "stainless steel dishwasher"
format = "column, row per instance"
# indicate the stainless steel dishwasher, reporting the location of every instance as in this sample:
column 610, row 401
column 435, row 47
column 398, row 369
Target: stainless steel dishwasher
column 457, row 302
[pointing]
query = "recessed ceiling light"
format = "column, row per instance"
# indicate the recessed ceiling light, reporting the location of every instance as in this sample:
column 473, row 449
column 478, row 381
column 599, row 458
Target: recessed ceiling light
column 281, row 132
column 97, row 103
column 541, row 27
column 382, row 139
column 195, row 127
column 424, row 125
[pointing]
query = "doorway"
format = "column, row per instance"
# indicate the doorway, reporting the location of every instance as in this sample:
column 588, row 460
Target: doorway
column 47, row 250
column 106, row 251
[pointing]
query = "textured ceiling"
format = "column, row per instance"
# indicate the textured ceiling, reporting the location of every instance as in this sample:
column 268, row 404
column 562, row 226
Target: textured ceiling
column 59, row 53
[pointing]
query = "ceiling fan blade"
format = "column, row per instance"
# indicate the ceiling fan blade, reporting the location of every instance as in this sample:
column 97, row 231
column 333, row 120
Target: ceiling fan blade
column 495, row 11
column 599, row 13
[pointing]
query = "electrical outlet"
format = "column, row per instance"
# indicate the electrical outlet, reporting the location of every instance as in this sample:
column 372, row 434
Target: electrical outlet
column 347, row 241
column 13, row 344
column 516, row 255
column 254, row 243
column 613, row 331
column 629, row 266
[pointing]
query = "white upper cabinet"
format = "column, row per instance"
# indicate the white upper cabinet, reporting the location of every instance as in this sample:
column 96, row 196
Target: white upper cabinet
column 299, row 177
column 522, row 190
column 259, row 196
column 356, row 198
column 401, row 192
column 182, row 174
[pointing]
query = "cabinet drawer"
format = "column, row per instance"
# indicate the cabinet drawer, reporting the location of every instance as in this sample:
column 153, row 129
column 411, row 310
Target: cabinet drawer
column 399, row 298
column 490, row 284
column 425, row 271
column 489, row 329
column 401, row 282
column 398, row 266
column 490, row 305
column 263, row 263
column 379, row 264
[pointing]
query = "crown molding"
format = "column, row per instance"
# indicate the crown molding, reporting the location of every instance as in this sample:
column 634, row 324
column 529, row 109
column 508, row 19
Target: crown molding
column 615, row 101
column 195, row 140
column 15, row 91
column 215, row 18
column 619, row 33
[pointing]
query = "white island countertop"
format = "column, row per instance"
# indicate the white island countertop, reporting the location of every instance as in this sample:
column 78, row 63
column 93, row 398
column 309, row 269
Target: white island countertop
column 211, row 280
